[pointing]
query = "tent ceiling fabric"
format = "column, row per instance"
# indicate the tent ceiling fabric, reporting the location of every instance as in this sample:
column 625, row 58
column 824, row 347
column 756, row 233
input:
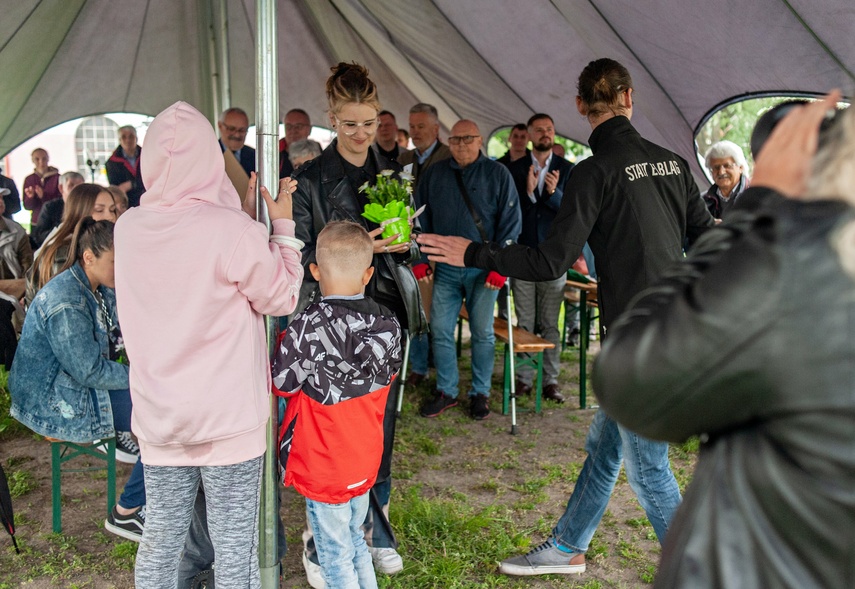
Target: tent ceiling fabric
column 495, row 62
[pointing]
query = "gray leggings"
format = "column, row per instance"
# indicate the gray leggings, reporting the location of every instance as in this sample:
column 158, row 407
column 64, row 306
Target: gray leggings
column 232, row 494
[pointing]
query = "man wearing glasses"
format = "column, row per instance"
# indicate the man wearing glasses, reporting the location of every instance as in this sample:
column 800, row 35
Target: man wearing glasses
column 729, row 170
column 123, row 167
column 474, row 197
column 298, row 127
column 233, row 126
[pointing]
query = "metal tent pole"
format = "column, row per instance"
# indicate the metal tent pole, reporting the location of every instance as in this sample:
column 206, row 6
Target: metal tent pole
column 267, row 153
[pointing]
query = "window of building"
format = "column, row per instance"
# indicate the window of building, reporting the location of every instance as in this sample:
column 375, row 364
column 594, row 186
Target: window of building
column 95, row 141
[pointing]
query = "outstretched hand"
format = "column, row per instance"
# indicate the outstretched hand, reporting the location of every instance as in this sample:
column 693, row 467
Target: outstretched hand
column 784, row 163
column 383, row 245
column 446, row 249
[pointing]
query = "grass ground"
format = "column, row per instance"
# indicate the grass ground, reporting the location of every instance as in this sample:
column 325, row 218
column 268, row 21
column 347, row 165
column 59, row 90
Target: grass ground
column 466, row 495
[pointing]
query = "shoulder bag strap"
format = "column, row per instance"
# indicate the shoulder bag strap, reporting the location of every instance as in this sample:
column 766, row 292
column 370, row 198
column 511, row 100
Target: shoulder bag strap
column 459, row 175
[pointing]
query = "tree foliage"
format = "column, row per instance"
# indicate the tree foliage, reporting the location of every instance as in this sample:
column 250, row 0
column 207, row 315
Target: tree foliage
column 497, row 145
column 735, row 123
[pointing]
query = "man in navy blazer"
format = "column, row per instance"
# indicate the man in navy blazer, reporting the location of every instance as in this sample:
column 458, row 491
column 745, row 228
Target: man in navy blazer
column 233, row 125
column 540, row 179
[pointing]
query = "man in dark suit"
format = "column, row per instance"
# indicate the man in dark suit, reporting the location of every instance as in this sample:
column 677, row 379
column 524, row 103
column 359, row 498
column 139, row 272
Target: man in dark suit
column 233, row 126
column 424, row 131
column 540, row 180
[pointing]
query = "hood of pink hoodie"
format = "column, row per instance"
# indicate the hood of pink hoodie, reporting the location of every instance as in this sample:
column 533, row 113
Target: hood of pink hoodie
column 182, row 162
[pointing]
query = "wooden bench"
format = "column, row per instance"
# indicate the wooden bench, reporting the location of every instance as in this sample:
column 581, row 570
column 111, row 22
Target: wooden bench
column 527, row 344
column 581, row 296
column 63, row 452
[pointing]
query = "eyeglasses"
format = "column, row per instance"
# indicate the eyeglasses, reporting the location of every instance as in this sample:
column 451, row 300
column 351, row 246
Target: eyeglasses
column 729, row 166
column 238, row 130
column 467, row 139
column 350, row 128
column 292, row 126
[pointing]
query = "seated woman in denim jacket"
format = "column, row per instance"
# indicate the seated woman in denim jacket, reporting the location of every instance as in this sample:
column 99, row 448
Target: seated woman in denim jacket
column 63, row 383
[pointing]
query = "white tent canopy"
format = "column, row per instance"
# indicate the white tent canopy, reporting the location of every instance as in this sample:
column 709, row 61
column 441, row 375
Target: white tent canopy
column 493, row 61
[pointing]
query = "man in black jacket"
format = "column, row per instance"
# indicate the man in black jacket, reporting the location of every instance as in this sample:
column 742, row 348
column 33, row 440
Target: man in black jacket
column 123, row 167
column 738, row 346
column 634, row 203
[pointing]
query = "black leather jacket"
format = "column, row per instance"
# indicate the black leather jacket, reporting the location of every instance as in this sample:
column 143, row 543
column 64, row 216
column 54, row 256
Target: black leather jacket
column 750, row 344
column 325, row 194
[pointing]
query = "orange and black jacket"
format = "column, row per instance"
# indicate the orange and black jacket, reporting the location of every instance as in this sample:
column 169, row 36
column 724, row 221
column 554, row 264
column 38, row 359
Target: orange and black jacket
column 336, row 363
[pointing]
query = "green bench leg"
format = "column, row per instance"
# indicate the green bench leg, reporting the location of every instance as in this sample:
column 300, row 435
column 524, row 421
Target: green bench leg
column 506, row 382
column 62, row 452
column 111, row 474
column 506, row 379
column 585, row 329
column 56, row 485
column 459, row 337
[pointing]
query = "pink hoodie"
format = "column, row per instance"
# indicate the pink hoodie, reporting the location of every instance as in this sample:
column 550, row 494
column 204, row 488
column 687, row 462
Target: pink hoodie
column 194, row 276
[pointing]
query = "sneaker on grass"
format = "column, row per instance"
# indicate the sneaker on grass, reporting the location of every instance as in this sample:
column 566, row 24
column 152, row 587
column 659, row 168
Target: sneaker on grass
column 313, row 571
column 479, row 407
column 436, row 405
column 546, row 559
column 386, row 560
column 127, row 526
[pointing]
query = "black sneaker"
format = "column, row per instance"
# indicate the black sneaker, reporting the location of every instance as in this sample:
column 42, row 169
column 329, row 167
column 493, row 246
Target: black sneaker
column 127, row 450
column 435, row 406
column 127, row 526
column 479, row 407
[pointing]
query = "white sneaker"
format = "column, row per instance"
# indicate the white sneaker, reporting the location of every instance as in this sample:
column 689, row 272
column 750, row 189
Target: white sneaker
column 313, row 573
column 386, row 560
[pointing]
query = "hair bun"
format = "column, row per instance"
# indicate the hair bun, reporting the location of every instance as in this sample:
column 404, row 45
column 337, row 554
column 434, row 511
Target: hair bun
column 349, row 82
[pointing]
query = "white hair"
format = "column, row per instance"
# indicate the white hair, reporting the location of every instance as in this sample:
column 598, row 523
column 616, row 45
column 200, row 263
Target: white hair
column 724, row 149
column 303, row 148
column 833, row 176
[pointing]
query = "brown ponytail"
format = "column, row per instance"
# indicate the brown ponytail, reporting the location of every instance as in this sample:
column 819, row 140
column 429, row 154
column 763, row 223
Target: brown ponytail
column 600, row 85
column 92, row 235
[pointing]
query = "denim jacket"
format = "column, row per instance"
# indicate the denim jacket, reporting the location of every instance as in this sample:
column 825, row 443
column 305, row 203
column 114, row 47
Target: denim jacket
column 61, row 376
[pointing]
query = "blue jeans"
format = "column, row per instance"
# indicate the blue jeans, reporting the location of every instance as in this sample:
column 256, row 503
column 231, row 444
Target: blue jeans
column 133, row 495
column 419, row 347
column 451, row 286
column 647, row 470
column 340, row 542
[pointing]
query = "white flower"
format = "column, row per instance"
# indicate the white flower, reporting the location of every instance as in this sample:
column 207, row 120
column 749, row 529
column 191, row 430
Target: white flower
column 387, row 173
column 406, row 177
column 364, row 187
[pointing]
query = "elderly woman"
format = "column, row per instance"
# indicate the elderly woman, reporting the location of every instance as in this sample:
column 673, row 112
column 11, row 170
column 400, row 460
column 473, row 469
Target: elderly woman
column 729, row 170
column 303, row 151
column 739, row 346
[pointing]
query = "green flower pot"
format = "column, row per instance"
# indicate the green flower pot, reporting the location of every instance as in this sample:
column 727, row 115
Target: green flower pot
column 397, row 226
